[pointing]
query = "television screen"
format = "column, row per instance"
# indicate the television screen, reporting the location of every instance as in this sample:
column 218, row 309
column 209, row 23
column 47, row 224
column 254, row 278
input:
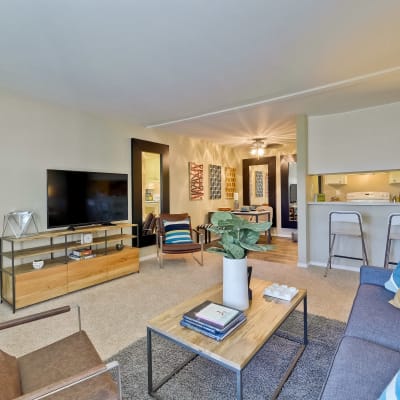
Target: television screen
column 84, row 198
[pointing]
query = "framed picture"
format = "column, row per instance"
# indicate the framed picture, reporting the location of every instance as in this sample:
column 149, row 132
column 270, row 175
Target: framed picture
column 230, row 182
column 214, row 180
column 196, row 185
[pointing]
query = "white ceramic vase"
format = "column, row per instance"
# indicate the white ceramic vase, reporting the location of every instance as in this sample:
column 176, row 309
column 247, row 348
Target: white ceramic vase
column 235, row 284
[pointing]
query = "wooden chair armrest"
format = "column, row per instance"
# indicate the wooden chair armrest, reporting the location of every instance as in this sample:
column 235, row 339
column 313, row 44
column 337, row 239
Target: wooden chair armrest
column 71, row 381
column 33, row 317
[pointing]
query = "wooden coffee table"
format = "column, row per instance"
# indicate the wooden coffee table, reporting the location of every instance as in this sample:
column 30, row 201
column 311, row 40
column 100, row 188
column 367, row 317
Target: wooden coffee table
column 264, row 317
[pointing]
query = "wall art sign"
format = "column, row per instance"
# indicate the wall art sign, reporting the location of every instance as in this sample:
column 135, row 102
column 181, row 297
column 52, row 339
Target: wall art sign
column 196, row 181
column 259, row 185
column 214, row 180
column 230, row 182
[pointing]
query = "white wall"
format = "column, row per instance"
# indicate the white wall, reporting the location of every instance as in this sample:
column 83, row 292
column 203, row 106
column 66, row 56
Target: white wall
column 357, row 141
column 362, row 140
column 36, row 136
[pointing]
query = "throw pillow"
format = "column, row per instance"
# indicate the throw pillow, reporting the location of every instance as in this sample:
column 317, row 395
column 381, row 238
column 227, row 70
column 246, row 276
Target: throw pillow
column 177, row 232
column 392, row 391
column 396, row 300
column 393, row 284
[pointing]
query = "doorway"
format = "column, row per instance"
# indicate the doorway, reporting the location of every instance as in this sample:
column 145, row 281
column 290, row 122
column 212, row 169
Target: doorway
column 259, row 182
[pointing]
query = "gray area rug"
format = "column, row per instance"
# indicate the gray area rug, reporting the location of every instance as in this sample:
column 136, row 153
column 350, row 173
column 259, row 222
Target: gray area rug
column 202, row 379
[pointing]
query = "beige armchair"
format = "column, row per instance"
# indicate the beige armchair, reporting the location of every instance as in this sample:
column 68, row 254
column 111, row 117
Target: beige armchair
column 68, row 369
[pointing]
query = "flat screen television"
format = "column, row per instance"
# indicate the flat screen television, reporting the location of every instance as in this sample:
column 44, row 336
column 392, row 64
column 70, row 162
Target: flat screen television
column 85, row 198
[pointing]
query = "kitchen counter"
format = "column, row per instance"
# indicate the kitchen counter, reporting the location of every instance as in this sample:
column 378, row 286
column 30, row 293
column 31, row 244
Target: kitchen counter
column 375, row 220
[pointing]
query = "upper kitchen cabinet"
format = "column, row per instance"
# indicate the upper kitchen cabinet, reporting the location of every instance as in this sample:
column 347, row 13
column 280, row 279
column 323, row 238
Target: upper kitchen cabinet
column 337, row 179
column 394, row 177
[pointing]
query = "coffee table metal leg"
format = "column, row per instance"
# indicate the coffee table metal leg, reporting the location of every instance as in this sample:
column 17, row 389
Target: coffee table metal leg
column 149, row 363
column 300, row 351
column 239, row 389
column 152, row 388
column 305, row 340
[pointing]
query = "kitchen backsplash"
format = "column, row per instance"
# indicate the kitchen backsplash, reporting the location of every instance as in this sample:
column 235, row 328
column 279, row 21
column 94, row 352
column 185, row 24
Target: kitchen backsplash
column 365, row 182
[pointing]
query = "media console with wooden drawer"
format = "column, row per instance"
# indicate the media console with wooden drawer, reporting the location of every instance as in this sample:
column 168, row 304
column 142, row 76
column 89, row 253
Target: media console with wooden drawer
column 21, row 285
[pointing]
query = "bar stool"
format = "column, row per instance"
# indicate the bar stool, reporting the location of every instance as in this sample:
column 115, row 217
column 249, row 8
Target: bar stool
column 346, row 223
column 393, row 221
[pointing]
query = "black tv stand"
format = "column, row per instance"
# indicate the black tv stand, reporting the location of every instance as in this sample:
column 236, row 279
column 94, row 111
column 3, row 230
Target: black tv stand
column 108, row 224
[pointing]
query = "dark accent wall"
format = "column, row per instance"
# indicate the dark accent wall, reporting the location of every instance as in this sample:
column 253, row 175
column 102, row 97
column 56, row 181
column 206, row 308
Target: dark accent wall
column 285, row 221
column 137, row 147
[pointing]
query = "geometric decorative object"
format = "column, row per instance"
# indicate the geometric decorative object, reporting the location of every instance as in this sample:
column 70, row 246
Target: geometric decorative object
column 230, row 182
column 196, row 185
column 18, row 221
column 86, row 238
column 259, row 185
column 214, row 179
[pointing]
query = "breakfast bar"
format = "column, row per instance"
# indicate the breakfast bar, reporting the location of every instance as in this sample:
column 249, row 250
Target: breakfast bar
column 375, row 221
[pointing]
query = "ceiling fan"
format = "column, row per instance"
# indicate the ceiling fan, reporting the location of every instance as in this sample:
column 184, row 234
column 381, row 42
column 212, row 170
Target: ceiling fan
column 259, row 146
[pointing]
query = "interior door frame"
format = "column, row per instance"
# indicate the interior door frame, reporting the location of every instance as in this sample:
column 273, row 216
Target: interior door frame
column 285, row 222
column 137, row 147
column 271, row 162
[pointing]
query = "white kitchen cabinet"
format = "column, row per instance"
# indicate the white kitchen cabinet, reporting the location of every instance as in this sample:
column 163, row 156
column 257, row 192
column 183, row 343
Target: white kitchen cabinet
column 394, row 177
column 337, row 179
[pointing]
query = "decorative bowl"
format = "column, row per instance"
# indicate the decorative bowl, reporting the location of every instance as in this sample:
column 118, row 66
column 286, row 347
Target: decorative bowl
column 37, row 264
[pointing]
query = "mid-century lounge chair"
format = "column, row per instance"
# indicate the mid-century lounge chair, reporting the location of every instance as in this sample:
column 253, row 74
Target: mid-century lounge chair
column 175, row 236
column 68, row 369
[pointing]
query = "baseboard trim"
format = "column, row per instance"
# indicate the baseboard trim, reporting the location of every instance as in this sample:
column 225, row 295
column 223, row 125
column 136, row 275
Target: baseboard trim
column 335, row 266
column 148, row 257
column 303, row 265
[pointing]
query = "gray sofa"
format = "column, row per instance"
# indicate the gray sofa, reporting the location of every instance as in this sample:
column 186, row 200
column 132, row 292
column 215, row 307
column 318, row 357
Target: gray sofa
column 368, row 355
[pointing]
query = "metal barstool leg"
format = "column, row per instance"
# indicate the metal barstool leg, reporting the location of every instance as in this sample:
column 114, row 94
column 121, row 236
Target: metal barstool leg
column 387, row 253
column 329, row 263
column 364, row 249
column 388, row 244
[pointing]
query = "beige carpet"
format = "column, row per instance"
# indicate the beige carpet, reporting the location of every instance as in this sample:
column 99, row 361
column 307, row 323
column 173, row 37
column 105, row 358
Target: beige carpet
column 115, row 313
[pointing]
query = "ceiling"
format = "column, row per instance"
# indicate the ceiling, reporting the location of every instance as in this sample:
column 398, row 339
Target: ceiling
column 225, row 70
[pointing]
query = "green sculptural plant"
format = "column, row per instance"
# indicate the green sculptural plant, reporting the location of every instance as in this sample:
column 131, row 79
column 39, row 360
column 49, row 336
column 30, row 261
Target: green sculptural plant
column 238, row 236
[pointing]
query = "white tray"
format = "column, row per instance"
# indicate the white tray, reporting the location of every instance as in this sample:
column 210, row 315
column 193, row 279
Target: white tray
column 282, row 292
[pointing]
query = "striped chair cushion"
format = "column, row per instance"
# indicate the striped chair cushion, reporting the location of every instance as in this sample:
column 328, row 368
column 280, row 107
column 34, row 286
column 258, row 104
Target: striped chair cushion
column 177, row 232
column 392, row 391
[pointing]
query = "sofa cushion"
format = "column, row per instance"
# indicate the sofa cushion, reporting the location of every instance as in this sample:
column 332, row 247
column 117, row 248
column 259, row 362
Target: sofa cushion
column 373, row 318
column 392, row 391
column 60, row 360
column 10, row 386
column 374, row 275
column 361, row 370
column 393, row 283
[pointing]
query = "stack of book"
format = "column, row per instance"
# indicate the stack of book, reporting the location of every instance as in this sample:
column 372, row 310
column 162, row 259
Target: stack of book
column 213, row 320
column 81, row 254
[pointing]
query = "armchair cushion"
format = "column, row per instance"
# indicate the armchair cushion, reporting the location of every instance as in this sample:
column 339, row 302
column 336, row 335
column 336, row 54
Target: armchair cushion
column 61, row 360
column 9, row 377
column 177, row 231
